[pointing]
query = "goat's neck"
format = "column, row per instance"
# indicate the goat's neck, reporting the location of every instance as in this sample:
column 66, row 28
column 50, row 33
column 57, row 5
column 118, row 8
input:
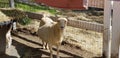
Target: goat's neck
column 10, row 28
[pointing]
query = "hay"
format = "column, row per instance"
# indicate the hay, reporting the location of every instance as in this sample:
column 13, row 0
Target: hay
column 8, row 14
column 3, row 17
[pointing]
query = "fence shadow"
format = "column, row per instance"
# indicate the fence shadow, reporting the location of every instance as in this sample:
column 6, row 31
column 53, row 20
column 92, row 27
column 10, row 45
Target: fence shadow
column 7, row 56
column 25, row 51
column 98, row 57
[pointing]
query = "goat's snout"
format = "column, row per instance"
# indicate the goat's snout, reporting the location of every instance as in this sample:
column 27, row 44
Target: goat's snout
column 62, row 26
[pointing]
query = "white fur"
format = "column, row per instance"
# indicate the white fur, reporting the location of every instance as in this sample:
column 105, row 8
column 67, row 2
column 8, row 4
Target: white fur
column 52, row 32
column 8, row 38
column 14, row 25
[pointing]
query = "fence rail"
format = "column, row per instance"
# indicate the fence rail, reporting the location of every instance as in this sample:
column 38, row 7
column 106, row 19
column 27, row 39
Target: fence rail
column 86, row 25
column 74, row 23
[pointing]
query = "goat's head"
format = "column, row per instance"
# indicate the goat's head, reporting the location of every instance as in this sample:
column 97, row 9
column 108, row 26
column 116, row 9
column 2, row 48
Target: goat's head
column 62, row 22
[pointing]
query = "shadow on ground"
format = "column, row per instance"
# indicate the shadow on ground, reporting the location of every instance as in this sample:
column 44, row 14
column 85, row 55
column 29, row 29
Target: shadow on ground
column 7, row 56
column 29, row 52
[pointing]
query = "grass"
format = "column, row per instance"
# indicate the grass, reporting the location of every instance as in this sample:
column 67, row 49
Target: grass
column 4, row 3
column 25, row 21
column 27, row 7
column 34, row 8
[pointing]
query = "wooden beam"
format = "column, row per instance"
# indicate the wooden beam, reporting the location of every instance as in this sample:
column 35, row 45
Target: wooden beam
column 34, row 15
column 86, row 25
column 12, row 3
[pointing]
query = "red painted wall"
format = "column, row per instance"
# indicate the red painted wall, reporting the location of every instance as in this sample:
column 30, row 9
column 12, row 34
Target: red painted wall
column 65, row 4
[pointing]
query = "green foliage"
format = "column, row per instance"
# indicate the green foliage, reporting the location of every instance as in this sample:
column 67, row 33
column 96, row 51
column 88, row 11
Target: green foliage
column 34, row 8
column 27, row 7
column 14, row 13
column 4, row 3
column 25, row 21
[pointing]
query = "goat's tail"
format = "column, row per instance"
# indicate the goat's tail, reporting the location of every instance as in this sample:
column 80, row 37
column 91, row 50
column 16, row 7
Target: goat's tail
column 44, row 15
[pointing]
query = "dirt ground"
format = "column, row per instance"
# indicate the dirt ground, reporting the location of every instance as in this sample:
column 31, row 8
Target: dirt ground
column 78, row 43
column 26, row 45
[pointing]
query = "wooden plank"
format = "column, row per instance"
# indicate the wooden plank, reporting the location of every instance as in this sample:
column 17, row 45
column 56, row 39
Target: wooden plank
column 107, row 30
column 12, row 3
column 34, row 15
column 115, row 30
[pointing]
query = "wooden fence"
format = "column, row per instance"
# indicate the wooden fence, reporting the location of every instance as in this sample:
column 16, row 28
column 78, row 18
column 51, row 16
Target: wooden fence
column 115, row 41
column 74, row 23
column 96, row 3
column 111, row 44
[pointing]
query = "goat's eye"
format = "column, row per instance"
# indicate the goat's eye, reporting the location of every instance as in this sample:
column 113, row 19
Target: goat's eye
column 58, row 20
column 65, row 21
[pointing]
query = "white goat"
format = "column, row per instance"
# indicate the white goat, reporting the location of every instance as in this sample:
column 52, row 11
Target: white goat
column 8, row 35
column 42, row 22
column 52, row 32
column 9, row 38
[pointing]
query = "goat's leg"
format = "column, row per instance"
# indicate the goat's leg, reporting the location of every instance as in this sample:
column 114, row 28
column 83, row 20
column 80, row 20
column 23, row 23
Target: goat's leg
column 8, row 41
column 46, row 46
column 58, row 51
column 43, row 44
column 8, row 37
column 14, row 25
column 51, row 52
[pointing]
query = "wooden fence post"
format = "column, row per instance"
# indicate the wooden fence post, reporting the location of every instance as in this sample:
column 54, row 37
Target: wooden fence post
column 115, row 30
column 12, row 3
column 107, row 29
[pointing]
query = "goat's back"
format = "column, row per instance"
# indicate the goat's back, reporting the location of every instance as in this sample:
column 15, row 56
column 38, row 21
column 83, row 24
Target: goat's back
column 50, row 34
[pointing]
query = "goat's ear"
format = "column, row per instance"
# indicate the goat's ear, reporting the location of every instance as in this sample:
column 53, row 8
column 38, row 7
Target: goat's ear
column 67, row 18
column 58, row 20
column 56, row 16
